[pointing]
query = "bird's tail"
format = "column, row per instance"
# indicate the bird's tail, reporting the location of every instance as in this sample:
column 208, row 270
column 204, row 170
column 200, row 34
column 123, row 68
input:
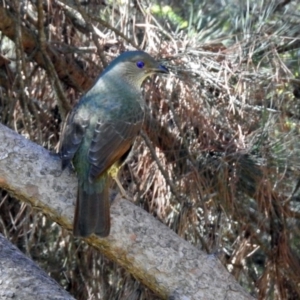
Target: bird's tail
column 92, row 213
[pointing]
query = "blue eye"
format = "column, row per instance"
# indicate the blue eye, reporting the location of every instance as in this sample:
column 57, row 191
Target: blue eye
column 140, row 64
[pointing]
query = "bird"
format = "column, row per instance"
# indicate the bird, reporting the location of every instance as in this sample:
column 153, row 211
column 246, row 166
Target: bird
column 99, row 133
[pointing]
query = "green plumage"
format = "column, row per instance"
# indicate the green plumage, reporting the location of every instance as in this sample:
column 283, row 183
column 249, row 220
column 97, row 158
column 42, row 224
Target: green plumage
column 99, row 134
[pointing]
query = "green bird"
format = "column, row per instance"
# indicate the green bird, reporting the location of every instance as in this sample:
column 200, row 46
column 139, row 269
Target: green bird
column 99, row 134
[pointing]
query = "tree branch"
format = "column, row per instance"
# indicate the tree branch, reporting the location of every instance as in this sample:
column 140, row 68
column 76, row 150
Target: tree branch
column 67, row 70
column 21, row 278
column 149, row 250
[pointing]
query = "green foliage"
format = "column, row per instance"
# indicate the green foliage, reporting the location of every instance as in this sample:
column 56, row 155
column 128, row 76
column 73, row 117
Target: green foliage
column 167, row 12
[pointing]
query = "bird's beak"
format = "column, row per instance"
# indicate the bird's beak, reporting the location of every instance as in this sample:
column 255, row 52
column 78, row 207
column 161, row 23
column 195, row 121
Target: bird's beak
column 158, row 69
column 162, row 69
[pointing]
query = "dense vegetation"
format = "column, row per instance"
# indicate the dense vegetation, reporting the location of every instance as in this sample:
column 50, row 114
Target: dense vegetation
column 219, row 158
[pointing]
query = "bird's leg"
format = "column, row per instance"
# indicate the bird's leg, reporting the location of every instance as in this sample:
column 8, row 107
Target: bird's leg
column 122, row 190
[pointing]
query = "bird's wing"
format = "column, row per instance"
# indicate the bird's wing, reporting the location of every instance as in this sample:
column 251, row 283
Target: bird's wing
column 72, row 135
column 112, row 140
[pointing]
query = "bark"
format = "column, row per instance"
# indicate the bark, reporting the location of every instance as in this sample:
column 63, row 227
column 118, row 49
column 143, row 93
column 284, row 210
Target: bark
column 149, row 250
column 21, row 278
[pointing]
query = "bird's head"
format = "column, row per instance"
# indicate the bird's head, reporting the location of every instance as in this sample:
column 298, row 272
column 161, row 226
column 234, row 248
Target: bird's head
column 134, row 67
